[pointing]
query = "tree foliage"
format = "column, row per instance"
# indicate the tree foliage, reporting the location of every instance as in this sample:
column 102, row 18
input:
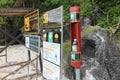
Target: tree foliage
column 5, row 4
column 111, row 12
column 109, row 9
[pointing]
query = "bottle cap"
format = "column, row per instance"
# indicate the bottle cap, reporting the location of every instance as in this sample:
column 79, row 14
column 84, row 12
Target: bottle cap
column 75, row 39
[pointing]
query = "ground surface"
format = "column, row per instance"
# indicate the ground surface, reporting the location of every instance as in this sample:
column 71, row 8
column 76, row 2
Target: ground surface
column 16, row 54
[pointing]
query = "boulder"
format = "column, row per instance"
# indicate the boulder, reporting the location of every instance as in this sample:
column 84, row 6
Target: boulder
column 101, row 58
column 85, row 22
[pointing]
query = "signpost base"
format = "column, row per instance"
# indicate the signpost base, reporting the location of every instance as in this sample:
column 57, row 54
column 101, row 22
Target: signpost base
column 77, row 74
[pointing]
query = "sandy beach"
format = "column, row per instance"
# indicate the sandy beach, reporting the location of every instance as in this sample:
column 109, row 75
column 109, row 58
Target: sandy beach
column 17, row 54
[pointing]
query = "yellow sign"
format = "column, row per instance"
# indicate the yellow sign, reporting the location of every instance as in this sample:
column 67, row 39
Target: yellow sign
column 27, row 24
column 45, row 18
column 44, row 36
column 56, row 35
column 31, row 22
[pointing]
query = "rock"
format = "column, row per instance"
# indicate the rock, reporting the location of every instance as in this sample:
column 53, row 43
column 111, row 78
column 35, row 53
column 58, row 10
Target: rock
column 66, row 32
column 101, row 57
column 85, row 22
column 69, row 73
column 88, row 76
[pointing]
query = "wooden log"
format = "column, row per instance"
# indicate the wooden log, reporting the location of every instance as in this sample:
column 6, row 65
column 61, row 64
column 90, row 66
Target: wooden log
column 25, row 76
column 18, row 3
column 2, row 55
column 11, row 42
column 15, row 10
column 13, row 64
column 17, row 69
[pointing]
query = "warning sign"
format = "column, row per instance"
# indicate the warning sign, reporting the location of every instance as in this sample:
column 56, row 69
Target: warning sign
column 27, row 24
column 31, row 23
column 45, row 18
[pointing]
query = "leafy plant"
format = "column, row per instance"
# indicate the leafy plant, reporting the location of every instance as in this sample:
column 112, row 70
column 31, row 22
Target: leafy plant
column 89, row 30
column 66, row 48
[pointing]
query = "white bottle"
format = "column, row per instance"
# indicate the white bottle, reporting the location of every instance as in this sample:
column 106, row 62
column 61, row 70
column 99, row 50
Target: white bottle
column 74, row 45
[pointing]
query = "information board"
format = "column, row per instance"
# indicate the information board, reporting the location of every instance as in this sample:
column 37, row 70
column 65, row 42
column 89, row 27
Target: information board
column 51, row 71
column 32, row 42
column 31, row 23
column 52, row 18
column 52, row 43
column 52, row 52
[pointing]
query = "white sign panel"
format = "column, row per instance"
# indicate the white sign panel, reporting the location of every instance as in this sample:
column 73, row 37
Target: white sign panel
column 51, row 71
column 27, row 42
column 51, row 52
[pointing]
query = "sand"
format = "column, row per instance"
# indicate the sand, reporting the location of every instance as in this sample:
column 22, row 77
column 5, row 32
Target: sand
column 16, row 54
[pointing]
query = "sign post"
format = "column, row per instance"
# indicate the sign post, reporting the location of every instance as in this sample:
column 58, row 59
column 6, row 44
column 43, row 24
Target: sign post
column 52, row 44
column 32, row 42
column 76, row 60
column 32, row 37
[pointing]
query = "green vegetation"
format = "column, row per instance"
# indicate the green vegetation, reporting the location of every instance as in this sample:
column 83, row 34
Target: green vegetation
column 6, row 3
column 11, row 21
column 109, row 9
column 110, row 13
column 89, row 30
column 66, row 48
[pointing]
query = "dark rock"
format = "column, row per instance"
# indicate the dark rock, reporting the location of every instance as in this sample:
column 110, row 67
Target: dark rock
column 85, row 22
column 105, row 64
column 70, row 73
column 101, row 58
column 66, row 32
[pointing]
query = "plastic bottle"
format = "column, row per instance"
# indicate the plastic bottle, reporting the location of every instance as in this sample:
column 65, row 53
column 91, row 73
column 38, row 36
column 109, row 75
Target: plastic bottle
column 74, row 45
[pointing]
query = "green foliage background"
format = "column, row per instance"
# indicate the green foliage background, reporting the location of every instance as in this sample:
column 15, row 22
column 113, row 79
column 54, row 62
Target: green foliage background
column 110, row 9
column 109, row 12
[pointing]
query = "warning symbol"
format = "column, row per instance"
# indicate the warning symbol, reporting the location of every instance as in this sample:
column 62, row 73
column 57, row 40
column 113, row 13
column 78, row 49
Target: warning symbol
column 45, row 18
column 27, row 24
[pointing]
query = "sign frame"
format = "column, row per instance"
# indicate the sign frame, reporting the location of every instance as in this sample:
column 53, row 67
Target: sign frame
column 60, row 27
column 31, row 22
column 28, row 43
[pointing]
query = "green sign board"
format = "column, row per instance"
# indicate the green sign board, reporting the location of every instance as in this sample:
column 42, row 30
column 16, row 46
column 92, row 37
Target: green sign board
column 72, row 16
column 50, row 37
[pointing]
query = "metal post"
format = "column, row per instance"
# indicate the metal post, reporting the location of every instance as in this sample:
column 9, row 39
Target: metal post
column 28, row 61
column 6, row 44
column 36, row 66
column 29, row 56
column 77, row 74
column 76, row 60
column 40, row 61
